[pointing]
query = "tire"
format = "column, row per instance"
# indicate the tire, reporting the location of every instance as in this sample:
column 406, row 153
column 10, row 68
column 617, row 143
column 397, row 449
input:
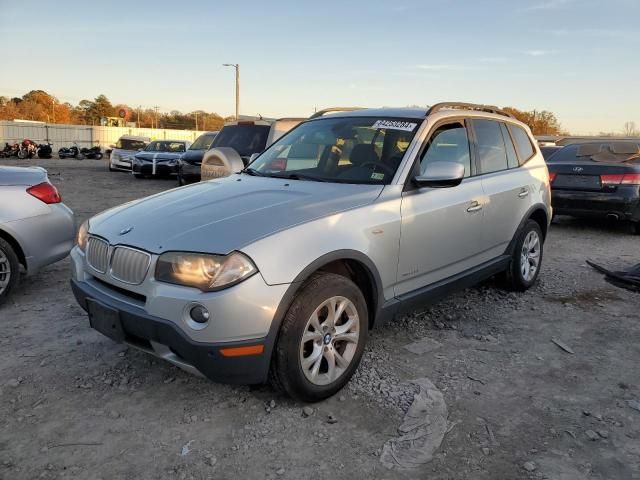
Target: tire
column 80, row 156
column 98, row 156
column 22, row 154
column 312, row 304
column 528, row 248
column 9, row 270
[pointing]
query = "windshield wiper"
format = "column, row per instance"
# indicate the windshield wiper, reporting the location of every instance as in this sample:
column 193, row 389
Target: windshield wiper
column 253, row 172
column 301, row 176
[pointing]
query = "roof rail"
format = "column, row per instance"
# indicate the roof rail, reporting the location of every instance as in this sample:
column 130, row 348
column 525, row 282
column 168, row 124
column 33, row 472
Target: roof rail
column 467, row 106
column 320, row 113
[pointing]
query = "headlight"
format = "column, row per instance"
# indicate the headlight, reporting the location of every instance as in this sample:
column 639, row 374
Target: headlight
column 205, row 272
column 83, row 235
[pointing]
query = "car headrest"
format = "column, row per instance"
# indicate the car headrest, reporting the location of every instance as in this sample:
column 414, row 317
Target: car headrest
column 363, row 153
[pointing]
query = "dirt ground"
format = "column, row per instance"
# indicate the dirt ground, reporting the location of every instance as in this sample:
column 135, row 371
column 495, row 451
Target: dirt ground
column 73, row 404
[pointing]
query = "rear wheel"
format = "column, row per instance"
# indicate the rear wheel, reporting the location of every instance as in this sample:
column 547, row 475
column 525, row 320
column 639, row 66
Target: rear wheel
column 321, row 339
column 527, row 258
column 9, row 270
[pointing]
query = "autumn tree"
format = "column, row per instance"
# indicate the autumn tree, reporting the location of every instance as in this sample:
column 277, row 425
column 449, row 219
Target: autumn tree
column 540, row 122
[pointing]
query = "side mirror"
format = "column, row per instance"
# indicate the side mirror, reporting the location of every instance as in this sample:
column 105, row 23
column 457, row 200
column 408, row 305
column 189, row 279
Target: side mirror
column 253, row 157
column 441, row 175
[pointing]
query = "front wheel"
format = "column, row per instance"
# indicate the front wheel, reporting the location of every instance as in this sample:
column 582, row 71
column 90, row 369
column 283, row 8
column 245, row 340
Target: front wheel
column 98, row 156
column 9, row 270
column 322, row 338
column 22, row 154
column 526, row 259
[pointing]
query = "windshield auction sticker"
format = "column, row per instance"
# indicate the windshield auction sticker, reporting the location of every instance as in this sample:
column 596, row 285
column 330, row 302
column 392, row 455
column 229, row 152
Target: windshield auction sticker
column 395, row 125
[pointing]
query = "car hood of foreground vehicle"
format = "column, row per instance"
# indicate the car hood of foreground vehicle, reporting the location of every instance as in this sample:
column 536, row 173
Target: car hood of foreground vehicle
column 225, row 215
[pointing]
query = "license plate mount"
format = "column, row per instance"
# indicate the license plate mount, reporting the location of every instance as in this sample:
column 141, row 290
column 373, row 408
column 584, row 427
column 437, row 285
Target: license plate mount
column 105, row 320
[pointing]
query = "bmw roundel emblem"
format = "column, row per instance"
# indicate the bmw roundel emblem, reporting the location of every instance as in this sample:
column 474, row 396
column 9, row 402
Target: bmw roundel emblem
column 124, row 231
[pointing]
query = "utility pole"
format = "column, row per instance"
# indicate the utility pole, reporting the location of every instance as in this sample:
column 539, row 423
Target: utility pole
column 53, row 111
column 196, row 120
column 156, row 108
column 138, row 122
column 237, row 67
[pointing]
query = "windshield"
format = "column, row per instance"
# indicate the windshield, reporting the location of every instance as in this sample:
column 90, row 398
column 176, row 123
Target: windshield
column 128, row 144
column 244, row 139
column 203, row 142
column 173, row 147
column 344, row 150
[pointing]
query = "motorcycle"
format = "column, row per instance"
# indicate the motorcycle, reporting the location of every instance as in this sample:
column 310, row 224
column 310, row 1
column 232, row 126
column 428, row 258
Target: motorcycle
column 44, row 150
column 27, row 149
column 93, row 152
column 71, row 152
column 9, row 150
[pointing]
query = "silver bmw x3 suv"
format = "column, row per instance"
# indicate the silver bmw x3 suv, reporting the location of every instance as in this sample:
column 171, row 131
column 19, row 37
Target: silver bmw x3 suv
column 279, row 271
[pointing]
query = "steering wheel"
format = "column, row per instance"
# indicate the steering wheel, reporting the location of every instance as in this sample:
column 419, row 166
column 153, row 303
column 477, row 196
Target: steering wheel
column 375, row 165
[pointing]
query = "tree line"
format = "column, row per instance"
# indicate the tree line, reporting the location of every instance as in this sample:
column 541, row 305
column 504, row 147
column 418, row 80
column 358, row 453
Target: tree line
column 38, row 105
column 41, row 106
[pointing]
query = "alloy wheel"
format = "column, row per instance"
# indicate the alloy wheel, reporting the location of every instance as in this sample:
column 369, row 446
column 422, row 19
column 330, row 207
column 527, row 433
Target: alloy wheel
column 530, row 256
column 330, row 340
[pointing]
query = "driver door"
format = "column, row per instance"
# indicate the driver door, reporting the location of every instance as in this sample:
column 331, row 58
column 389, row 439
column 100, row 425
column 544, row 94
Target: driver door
column 441, row 227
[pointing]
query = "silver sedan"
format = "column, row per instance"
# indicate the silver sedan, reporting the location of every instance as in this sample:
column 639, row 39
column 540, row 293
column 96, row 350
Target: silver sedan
column 36, row 228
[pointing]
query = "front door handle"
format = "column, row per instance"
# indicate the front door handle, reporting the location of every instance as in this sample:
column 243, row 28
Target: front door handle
column 475, row 207
column 523, row 193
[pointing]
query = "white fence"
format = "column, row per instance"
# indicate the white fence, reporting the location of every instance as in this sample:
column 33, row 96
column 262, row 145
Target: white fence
column 85, row 136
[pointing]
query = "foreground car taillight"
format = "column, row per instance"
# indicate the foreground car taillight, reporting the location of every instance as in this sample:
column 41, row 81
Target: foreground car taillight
column 45, row 192
column 623, row 179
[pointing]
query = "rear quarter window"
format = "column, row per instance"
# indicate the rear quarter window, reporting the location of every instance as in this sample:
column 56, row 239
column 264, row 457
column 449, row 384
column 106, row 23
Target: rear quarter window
column 522, row 143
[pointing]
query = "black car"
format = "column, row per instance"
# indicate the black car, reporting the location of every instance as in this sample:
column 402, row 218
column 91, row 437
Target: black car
column 549, row 150
column 159, row 158
column 189, row 163
column 599, row 179
column 245, row 137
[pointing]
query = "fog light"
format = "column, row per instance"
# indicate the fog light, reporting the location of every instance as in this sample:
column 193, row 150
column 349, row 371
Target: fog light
column 199, row 314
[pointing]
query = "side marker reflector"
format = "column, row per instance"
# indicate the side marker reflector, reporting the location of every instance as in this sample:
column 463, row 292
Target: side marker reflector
column 242, row 351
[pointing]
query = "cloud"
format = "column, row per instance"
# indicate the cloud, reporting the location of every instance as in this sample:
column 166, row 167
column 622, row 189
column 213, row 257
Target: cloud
column 540, row 53
column 548, row 5
column 493, row 59
column 439, row 67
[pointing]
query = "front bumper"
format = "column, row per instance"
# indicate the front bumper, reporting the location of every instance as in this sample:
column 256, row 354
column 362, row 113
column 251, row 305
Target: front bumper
column 155, row 318
column 164, row 339
column 160, row 168
column 189, row 172
column 623, row 202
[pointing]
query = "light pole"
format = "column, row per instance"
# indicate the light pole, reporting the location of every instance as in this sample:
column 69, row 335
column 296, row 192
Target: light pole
column 237, row 67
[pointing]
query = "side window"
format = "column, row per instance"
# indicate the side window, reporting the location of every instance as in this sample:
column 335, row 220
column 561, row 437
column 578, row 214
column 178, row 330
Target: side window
column 523, row 144
column 492, row 152
column 512, row 158
column 449, row 143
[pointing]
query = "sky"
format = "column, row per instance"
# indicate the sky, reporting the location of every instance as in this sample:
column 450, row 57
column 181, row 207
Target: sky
column 577, row 58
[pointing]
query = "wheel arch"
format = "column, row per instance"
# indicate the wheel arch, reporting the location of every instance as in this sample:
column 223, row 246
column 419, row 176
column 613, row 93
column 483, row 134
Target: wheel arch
column 10, row 239
column 539, row 214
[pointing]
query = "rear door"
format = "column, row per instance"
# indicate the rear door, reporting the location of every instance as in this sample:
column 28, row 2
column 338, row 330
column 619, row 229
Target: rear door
column 441, row 227
column 506, row 183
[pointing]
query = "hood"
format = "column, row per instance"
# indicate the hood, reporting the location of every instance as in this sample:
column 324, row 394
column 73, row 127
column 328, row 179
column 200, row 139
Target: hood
column 159, row 156
column 227, row 214
column 193, row 156
column 22, row 175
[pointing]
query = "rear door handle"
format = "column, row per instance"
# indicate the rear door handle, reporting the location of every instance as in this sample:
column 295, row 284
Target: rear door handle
column 475, row 207
column 523, row 193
